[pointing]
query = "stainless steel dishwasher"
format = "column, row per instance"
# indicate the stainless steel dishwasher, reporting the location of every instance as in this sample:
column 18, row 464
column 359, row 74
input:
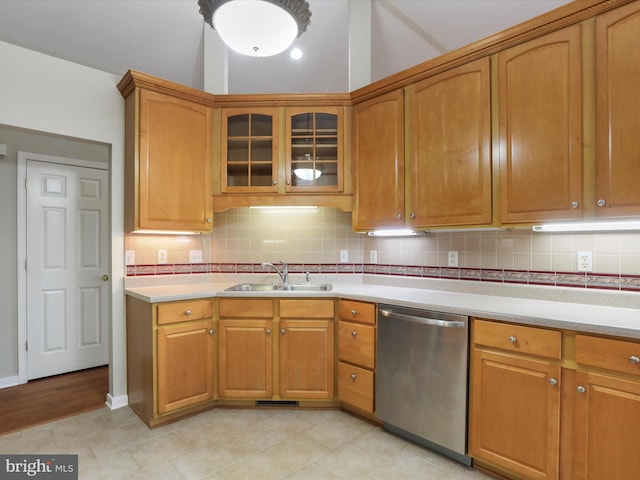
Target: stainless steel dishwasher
column 421, row 378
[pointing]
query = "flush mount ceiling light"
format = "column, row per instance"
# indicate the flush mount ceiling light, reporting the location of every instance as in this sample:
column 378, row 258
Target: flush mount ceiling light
column 259, row 28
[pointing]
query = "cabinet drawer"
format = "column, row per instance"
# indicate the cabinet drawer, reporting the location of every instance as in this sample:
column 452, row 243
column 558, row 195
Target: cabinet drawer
column 518, row 338
column 357, row 311
column 246, row 308
column 295, row 308
column 356, row 343
column 355, row 386
column 619, row 355
column 184, row 311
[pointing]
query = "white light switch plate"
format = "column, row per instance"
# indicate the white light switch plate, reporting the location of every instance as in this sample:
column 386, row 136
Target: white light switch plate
column 344, row 256
column 130, row 257
column 195, row 256
column 373, row 256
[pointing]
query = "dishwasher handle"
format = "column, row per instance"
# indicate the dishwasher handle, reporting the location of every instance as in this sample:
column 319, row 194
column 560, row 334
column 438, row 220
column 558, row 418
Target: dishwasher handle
column 435, row 322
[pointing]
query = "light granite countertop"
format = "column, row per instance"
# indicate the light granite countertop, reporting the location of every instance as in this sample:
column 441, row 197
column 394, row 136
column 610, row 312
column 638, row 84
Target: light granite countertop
column 596, row 312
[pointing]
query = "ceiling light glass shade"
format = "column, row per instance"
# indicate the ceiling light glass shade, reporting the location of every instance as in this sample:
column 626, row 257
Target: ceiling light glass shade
column 259, row 28
column 307, row 174
column 622, row 225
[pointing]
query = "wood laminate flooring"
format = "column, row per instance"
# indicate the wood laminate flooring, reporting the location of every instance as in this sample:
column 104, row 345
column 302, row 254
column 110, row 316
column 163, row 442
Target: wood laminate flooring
column 52, row 398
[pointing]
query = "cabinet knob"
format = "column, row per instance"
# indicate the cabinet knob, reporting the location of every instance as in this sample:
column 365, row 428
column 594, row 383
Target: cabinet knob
column 282, row 331
column 211, row 331
column 354, row 312
column 275, row 182
column 553, row 382
column 288, row 182
column 354, row 333
column 187, row 312
column 581, row 389
column 399, row 216
column 208, row 220
column 634, row 359
column 602, row 202
column 353, row 376
column 575, row 204
column 513, row 339
column 268, row 331
column 412, row 215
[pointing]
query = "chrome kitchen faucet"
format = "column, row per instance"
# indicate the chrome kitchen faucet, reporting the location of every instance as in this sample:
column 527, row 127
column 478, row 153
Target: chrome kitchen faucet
column 284, row 273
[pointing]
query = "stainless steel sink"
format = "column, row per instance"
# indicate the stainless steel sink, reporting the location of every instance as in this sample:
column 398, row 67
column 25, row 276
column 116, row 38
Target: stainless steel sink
column 269, row 287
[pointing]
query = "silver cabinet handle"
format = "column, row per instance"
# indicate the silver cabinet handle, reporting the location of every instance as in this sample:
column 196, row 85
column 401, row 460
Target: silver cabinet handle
column 353, row 376
column 282, row 331
column 208, row 220
column 354, row 333
column 513, row 339
column 275, row 182
column 187, row 312
column 581, row 389
column 575, row 204
column 211, row 331
column 268, row 331
column 553, row 382
column 399, row 216
column 634, row 359
column 354, row 312
column 601, row 202
column 412, row 215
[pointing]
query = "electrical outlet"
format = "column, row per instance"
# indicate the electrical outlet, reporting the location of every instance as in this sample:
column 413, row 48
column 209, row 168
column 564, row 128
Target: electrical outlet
column 195, row 256
column 585, row 261
column 162, row 256
column 344, row 256
column 452, row 258
column 373, row 256
column 129, row 257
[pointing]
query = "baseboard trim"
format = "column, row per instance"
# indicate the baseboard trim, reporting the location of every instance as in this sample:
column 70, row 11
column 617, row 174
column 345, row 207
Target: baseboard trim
column 117, row 402
column 7, row 382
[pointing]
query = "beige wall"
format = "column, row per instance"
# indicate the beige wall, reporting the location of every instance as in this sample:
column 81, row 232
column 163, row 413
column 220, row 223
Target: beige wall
column 317, row 236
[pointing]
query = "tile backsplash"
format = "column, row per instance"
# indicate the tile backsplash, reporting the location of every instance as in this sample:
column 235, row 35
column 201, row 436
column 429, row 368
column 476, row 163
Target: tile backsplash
column 317, row 236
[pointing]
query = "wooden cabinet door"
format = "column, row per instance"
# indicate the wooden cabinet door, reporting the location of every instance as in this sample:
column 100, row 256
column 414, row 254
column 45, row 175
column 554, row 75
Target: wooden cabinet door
column 314, row 145
column 185, row 365
column 245, row 360
column 174, row 171
column 515, row 414
column 618, row 112
column 451, row 147
column 307, row 359
column 379, row 162
column 539, row 95
column 606, row 428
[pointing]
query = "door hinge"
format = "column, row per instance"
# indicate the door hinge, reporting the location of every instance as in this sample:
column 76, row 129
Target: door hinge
column 25, row 263
column 25, row 184
column 26, row 345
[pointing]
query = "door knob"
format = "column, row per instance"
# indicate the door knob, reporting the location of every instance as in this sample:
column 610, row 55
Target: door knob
column 105, row 278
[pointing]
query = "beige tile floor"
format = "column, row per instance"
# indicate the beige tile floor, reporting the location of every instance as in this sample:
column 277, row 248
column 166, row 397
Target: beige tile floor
column 230, row 444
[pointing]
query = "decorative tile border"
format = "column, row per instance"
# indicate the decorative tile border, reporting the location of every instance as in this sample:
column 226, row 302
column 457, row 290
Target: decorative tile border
column 603, row 281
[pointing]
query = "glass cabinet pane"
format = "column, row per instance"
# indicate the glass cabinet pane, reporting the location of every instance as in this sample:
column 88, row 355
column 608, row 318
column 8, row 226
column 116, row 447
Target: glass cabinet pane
column 249, row 150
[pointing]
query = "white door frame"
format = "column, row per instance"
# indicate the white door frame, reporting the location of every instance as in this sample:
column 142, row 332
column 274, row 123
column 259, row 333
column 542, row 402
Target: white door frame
column 23, row 157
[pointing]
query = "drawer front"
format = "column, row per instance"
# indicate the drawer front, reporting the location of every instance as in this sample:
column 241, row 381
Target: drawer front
column 246, row 308
column 184, row 311
column 355, row 386
column 356, row 343
column 294, row 308
column 357, row 311
column 619, row 355
column 518, row 338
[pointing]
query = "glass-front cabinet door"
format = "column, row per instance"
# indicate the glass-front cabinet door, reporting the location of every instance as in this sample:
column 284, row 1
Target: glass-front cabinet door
column 249, row 150
column 314, row 150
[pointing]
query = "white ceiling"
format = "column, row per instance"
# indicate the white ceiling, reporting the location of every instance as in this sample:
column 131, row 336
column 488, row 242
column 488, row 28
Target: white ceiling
column 165, row 38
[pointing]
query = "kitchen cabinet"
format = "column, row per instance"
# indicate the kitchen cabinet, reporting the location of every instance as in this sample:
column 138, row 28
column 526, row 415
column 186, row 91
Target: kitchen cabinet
column 617, row 117
column 515, row 398
column 297, row 363
column 606, row 405
column 450, row 156
column 307, row 361
column 540, row 128
column 167, row 157
column 314, row 149
column 356, row 355
column 170, row 358
column 378, row 147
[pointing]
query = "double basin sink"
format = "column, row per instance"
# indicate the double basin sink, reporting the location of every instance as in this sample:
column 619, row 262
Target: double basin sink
column 273, row 287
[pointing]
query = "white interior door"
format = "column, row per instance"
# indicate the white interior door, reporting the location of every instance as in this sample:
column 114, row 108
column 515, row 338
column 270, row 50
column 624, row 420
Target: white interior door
column 67, row 268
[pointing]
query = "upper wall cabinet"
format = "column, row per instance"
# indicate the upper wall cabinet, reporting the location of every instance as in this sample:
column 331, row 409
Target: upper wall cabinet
column 378, row 147
column 167, row 159
column 450, row 169
column 540, row 122
column 618, row 112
